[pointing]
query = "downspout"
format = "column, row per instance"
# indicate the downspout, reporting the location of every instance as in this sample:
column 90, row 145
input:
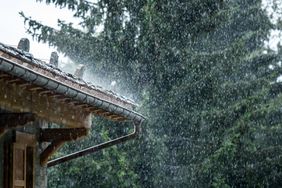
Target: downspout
column 95, row 148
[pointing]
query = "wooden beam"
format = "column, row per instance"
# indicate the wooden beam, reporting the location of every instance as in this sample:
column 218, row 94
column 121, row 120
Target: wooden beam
column 50, row 150
column 24, row 84
column 2, row 131
column 14, row 80
column 90, row 108
column 64, row 134
column 112, row 116
column 98, row 111
column 119, row 119
column 80, row 105
column 56, row 96
column 45, row 92
column 104, row 113
column 2, row 75
column 11, row 120
column 36, row 89
column 73, row 103
column 3, row 78
column 28, row 139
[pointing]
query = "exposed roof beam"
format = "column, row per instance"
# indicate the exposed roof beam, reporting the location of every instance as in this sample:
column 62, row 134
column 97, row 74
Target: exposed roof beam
column 11, row 120
column 66, row 134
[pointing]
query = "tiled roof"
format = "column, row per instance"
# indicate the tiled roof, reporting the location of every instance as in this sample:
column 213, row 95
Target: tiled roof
column 91, row 93
column 28, row 57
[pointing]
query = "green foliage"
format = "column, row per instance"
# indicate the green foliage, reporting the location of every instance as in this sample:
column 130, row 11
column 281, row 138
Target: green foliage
column 204, row 80
column 107, row 168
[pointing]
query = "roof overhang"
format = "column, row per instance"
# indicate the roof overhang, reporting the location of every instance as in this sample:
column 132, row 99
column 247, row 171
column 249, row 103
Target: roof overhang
column 30, row 85
column 31, row 88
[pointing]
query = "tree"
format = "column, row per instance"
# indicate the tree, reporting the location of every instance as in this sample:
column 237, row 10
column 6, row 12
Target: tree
column 204, row 79
column 107, row 168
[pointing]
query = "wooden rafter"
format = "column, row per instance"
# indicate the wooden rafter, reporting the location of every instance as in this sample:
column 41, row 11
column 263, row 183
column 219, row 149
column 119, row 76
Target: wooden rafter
column 23, row 85
column 35, row 88
column 113, row 116
column 2, row 75
column 17, row 99
column 99, row 111
column 15, row 80
column 2, row 131
column 45, row 92
column 119, row 119
column 82, row 105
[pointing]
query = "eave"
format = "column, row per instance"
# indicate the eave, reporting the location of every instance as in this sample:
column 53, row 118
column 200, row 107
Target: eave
column 31, row 89
column 46, row 84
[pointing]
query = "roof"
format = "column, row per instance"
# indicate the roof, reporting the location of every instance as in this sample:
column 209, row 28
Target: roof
column 18, row 66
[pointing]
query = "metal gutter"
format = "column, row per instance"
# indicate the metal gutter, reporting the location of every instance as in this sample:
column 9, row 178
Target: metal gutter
column 54, row 70
column 95, row 148
column 56, row 86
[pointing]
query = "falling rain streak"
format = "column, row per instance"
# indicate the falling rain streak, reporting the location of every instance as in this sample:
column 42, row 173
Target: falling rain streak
column 207, row 75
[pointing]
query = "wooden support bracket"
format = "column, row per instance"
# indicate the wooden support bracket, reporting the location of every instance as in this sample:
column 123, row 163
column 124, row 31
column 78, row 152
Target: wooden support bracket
column 57, row 137
column 50, row 150
column 95, row 148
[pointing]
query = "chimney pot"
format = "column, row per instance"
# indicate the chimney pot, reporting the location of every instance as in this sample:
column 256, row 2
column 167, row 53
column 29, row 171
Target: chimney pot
column 24, row 44
column 79, row 71
column 54, row 59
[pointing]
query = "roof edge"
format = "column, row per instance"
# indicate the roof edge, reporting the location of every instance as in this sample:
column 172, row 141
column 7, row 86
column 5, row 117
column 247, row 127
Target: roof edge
column 56, row 86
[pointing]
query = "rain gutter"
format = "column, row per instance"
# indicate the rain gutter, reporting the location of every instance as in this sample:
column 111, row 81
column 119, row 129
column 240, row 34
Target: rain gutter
column 56, row 86
column 95, row 148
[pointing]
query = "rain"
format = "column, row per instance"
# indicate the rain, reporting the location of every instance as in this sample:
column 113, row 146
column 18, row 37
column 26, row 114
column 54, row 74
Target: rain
column 205, row 76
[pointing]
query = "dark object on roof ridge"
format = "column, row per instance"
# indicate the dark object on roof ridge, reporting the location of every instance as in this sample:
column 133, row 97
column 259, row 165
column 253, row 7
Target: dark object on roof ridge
column 24, row 45
column 79, row 71
column 54, row 59
column 27, row 57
